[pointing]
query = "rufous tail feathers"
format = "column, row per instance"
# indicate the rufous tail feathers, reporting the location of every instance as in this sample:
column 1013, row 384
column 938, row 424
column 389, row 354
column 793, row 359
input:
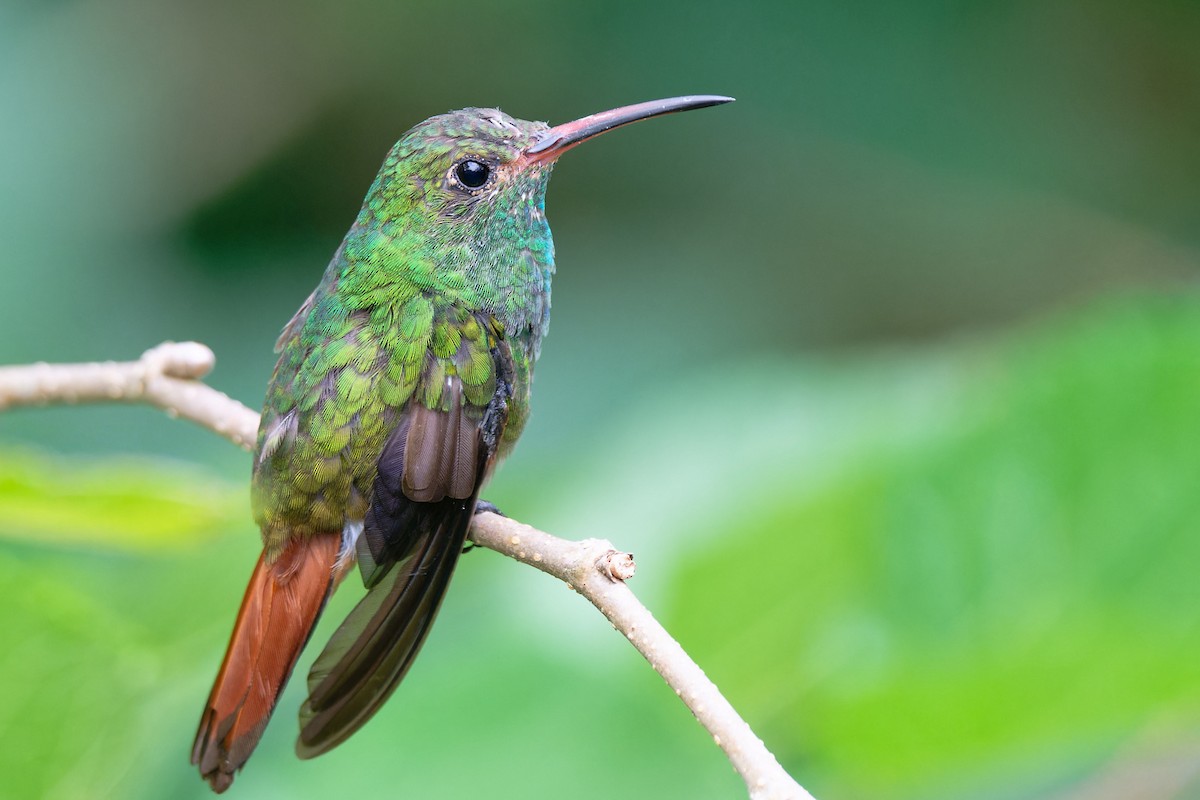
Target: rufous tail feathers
column 278, row 613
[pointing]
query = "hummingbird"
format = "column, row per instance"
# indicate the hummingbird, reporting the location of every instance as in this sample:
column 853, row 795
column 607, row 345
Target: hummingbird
column 401, row 381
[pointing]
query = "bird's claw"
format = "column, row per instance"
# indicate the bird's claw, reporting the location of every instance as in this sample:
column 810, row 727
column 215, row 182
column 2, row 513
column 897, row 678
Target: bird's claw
column 482, row 507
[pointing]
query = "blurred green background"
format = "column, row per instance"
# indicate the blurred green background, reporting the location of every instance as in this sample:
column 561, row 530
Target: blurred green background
column 888, row 374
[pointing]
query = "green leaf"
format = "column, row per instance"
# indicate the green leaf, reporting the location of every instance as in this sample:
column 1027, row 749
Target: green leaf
column 105, row 588
column 113, row 503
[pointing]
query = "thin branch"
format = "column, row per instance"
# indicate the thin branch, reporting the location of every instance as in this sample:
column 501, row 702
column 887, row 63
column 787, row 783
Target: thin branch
column 168, row 376
column 598, row 571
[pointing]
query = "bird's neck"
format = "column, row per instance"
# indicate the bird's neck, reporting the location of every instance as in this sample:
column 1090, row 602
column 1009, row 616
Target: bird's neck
column 501, row 265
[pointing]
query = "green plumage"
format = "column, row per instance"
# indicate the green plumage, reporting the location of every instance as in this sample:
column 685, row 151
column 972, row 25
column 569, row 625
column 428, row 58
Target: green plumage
column 398, row 311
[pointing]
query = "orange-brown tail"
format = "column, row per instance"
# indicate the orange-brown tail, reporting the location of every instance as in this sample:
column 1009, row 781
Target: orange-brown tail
column 280, row 610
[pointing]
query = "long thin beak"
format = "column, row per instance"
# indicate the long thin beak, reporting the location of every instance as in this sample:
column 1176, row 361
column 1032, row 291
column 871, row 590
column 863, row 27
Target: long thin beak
column 562, row 138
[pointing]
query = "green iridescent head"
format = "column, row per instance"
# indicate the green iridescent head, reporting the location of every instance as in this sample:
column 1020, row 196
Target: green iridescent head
column 458, row 211
column 453, row 166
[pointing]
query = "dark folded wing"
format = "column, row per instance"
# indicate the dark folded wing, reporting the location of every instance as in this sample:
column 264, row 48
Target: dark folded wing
column 427, row 483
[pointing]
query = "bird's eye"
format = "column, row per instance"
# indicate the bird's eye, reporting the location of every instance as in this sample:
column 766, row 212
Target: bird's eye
column 471, row 173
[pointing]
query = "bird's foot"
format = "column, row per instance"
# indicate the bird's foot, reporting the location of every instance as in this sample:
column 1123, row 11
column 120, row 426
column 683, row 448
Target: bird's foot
column 482, row 507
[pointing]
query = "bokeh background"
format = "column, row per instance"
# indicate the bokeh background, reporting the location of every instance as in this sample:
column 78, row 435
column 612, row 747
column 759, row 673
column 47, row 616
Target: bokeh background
column 888, row 373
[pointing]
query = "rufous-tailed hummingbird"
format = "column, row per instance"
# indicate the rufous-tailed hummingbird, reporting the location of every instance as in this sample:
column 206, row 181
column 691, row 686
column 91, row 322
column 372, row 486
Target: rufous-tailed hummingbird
column 401, row 381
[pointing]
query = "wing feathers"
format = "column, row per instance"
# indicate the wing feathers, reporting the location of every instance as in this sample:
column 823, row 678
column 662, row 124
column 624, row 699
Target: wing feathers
column 372, row 650
column 441, row 450
column 423, row 497
column 423, row 454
